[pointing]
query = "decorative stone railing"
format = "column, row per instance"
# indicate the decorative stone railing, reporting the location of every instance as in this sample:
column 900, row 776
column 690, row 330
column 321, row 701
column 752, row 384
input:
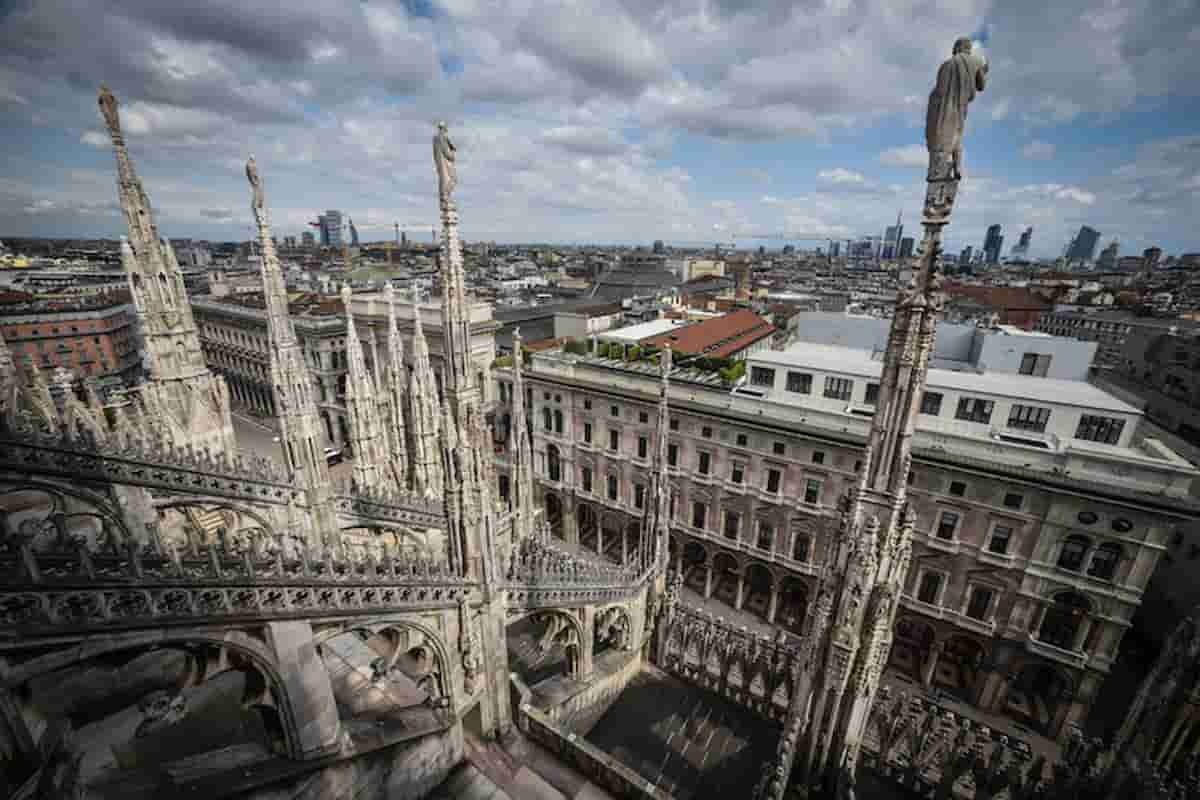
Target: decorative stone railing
column 749, row 669
column 181, row 470
column 142, row 584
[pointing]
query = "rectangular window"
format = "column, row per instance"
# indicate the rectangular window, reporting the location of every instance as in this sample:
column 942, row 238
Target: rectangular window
column 587, row 433
column 774, row 478
column 812, row 492
column 872, row 395
column 931, row 585
column 614, row 411
column 958, row 488
column 1001, row 536
column 838, row 388
column 762, row 376
column 818, row 457
column 587, row 403
column 674, row 424
column 698, row 512
column 947, row 525
column 732, row 522
column 766, row 536
column 643, row 417
column 672, row 455
column 1014, row 500
column 931, row 403
column 779, row 448
column 612, row 487
column 799, row 382
column 643, row 446
column 639, row 495
column 614, row 440
column 737, row 473
column 1028, row 418
column 742, row 440
column 980, row 604
column 706, row 432
column 1034, row 364
column 586, row 475
column 973, row 409
column 705, row 462
column 1106, row 430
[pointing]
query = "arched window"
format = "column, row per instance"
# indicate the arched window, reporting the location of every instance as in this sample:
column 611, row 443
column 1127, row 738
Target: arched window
column 1073, row 551
column 553, row 465
column 546, row 419
column 1105, row 560
column 1062, row 620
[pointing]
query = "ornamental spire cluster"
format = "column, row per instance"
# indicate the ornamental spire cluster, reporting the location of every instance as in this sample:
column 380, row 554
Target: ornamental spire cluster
column 292, row 387
column 366, row 432
column 191, row 402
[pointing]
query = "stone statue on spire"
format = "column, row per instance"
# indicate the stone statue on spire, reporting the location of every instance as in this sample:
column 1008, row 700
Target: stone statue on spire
column 958, row 80
column 443, row 158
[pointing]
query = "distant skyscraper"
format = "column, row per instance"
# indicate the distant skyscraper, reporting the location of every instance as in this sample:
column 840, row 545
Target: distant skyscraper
column 307, row 239
column 1021, row 248
column 403, row 239
column 659, row 247
column 906, row 247
column 353, row 233
column 1083, row 246
column 331, row 228
column 965, row 256
column 835, row 249
column 1108, row 256
column 289, row 241
column 891, row 239
column 992, row 244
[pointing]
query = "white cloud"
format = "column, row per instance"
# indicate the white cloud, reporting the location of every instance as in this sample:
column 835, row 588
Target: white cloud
column 95, row 139
column 1037, row 150
column 838, row 175
column 913, row 155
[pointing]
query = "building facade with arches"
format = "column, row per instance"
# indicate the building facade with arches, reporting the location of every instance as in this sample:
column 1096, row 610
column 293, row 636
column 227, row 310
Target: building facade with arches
column 1032, row 548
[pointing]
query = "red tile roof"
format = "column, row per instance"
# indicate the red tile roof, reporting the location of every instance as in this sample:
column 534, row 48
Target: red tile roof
column 719, row 337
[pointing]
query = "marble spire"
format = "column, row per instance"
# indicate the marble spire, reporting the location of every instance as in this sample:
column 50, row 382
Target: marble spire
column 426, row 413
column 849, row 624
column 366, row 433
column 476, row 528
column 192, row 402
column 522, row 450
column 656, row 523
column 292, row 387
column 395, row 380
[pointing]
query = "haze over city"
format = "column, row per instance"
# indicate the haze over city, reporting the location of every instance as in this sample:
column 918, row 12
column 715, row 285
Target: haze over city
column 693, row 122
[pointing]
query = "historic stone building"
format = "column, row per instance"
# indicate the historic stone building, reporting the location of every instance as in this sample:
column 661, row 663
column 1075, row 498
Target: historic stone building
column 233, row 332
column 1036, row 528
column 94, row 337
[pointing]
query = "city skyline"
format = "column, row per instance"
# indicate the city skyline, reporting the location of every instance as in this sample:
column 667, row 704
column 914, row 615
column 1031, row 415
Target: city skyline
column 681, row 121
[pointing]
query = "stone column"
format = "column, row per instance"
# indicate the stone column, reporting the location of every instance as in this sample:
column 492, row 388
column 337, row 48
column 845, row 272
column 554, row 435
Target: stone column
column 586, row 665
column 1081, row 634
column 569, row 522
column 740, row 591
column 930, row 665
column 305, row 684
column 679, row 562
column 1039, row 616
column 600, row 534
column 708, row 577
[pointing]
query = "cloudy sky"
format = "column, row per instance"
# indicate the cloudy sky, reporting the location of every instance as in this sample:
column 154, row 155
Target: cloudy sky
column 694, row 121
